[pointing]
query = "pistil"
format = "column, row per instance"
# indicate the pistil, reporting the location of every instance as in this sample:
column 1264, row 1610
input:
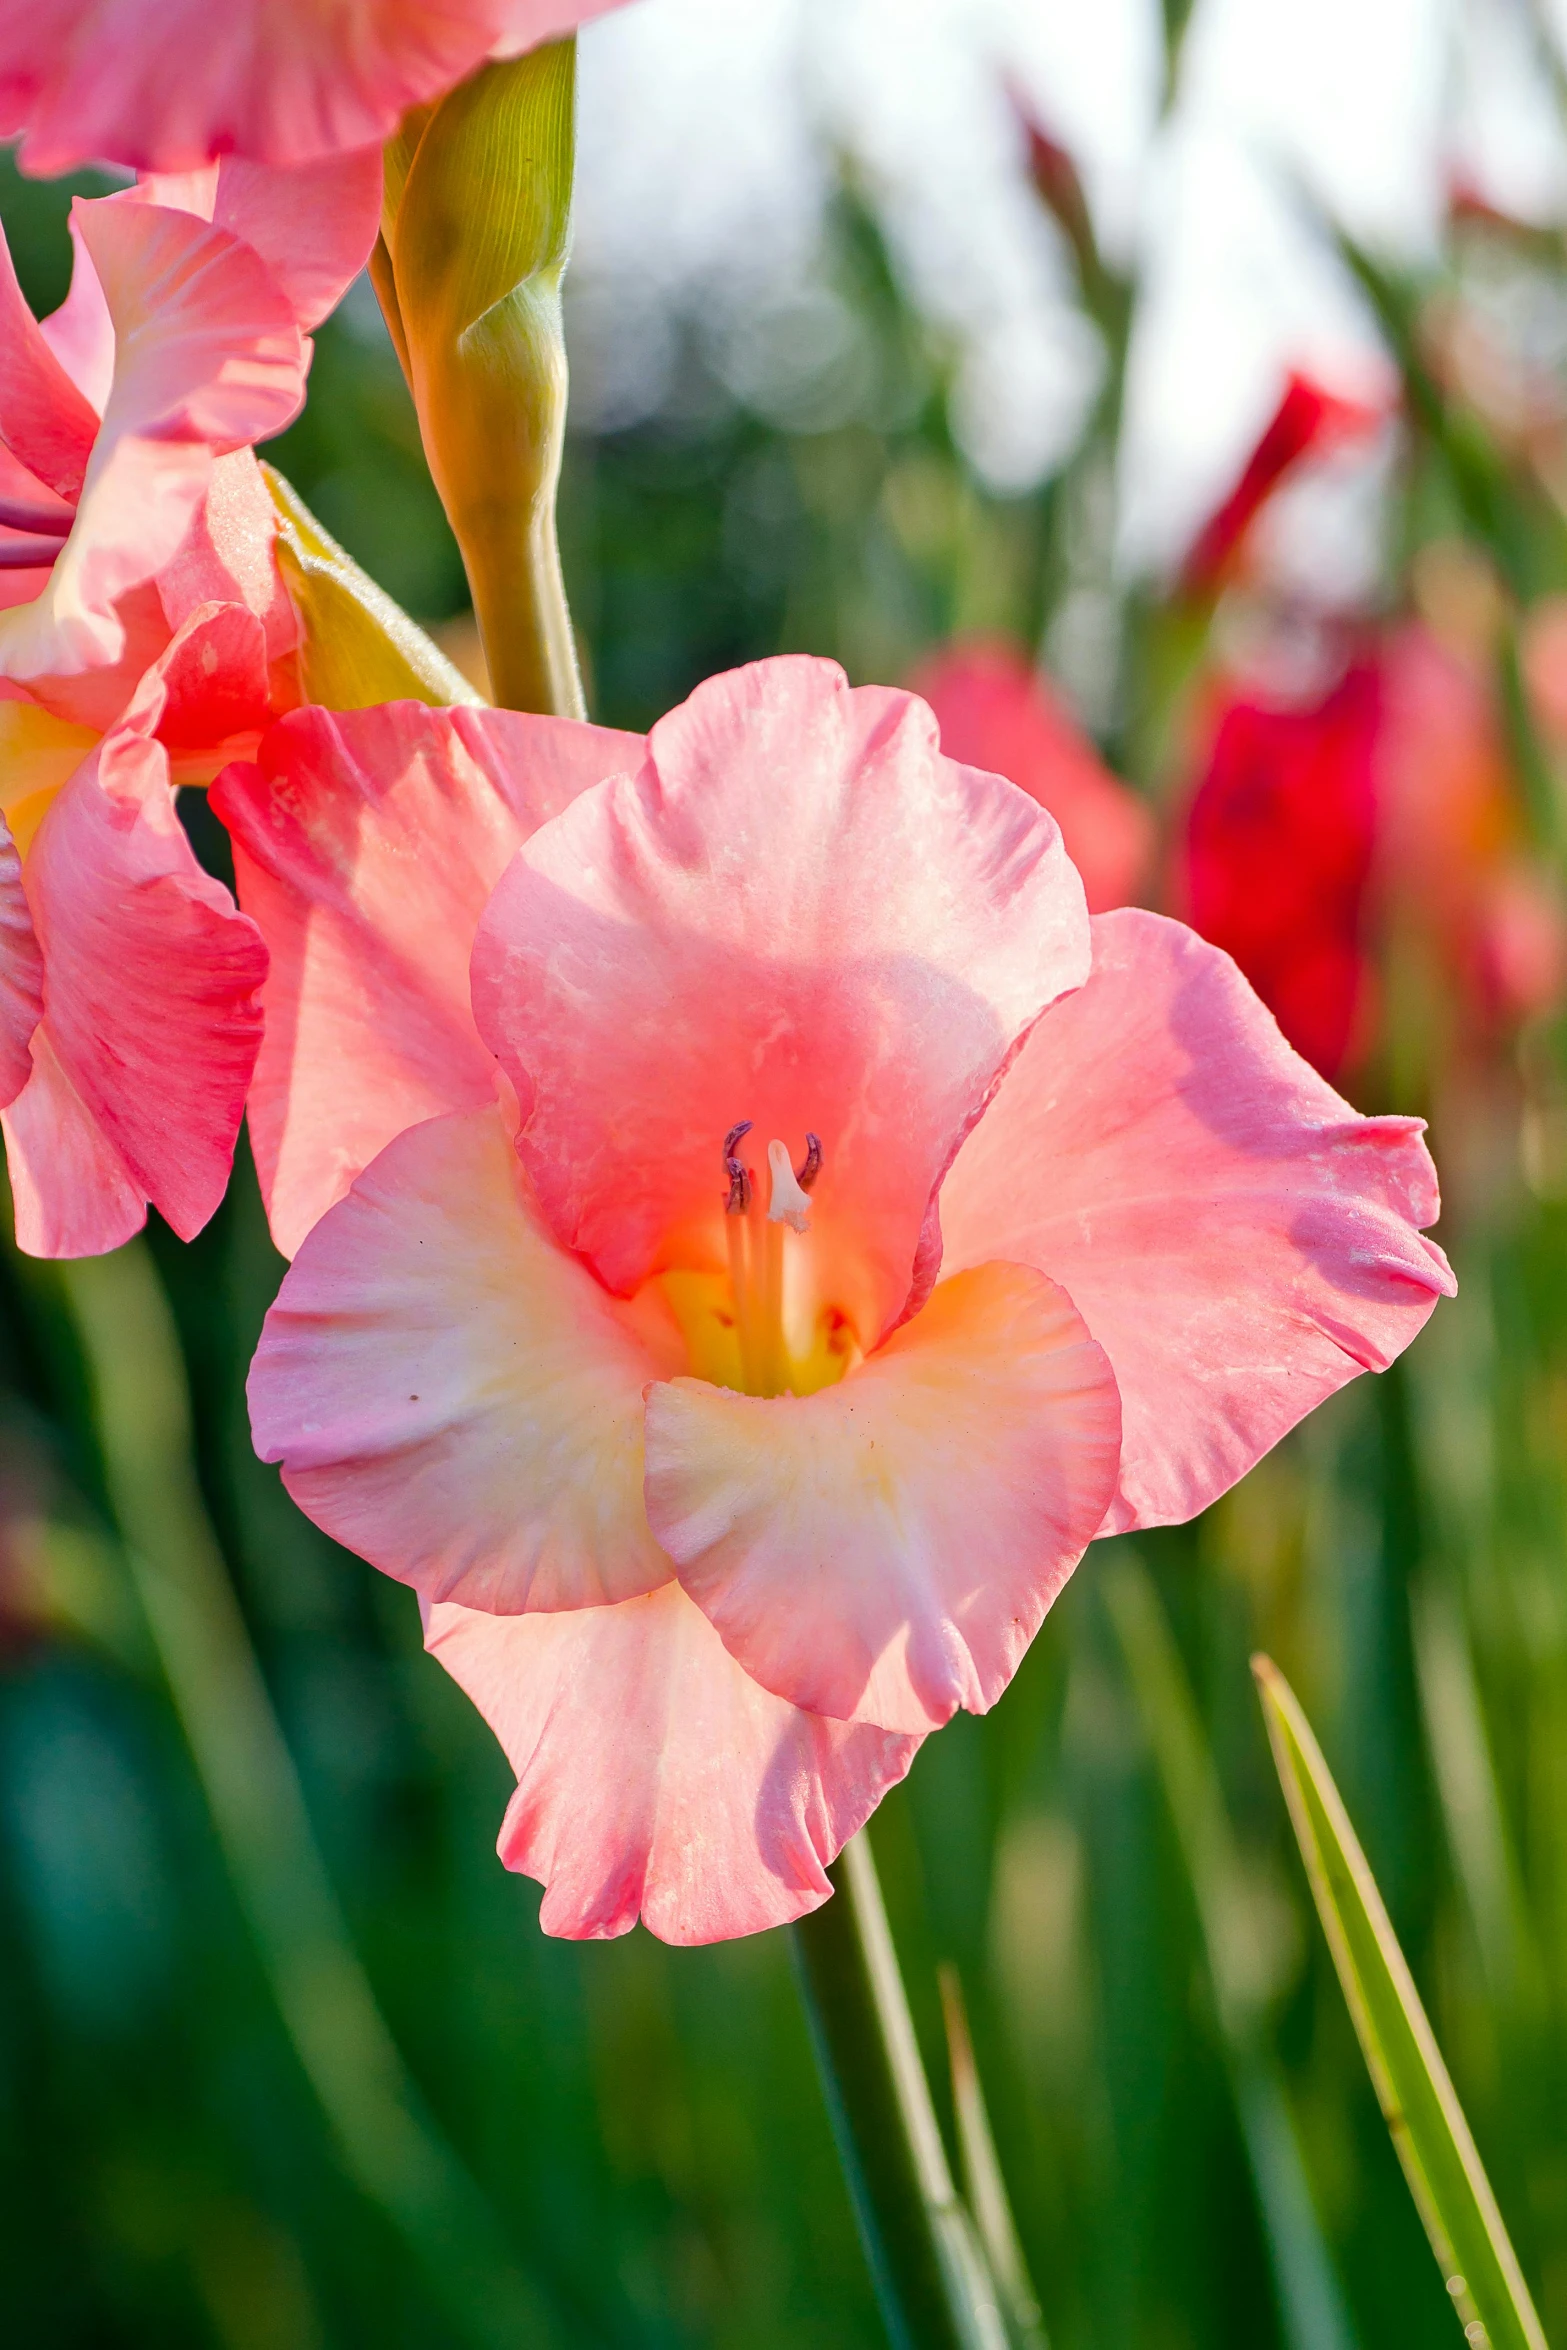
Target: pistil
column 756, row 1253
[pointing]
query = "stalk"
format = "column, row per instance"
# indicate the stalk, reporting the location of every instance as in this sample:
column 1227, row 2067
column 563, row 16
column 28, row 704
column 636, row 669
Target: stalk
column 930, row 2275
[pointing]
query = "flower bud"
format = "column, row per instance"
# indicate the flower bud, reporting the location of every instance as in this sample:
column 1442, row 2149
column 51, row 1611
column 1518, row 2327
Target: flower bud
column 475, row 232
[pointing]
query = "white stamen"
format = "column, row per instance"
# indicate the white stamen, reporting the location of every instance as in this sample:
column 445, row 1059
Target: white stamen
column 787, row 1203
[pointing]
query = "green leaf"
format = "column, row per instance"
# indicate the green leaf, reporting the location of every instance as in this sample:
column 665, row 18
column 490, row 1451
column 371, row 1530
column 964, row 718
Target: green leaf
column 357, row 647
column 475, row 232
column 1440, row 2160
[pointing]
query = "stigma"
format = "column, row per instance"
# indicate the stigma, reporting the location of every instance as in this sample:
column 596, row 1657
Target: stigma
column 787, row 1202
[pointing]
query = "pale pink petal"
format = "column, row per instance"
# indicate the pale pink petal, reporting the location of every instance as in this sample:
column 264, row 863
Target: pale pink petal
column 45, row 422
column 800, row 913
column 163, row 85
column 654, row 1780
column 81, row 332
column 151, row 981
column 1239, row 1241
column 454, row 1397
column 21, row 973
column 885, row 1549
column 366, row 843
column 313, row 225
column 207, row 359
column 72, row 1192
column 228, row 555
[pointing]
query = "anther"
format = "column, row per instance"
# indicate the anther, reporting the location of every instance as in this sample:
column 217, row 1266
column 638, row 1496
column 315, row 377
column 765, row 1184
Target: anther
column 787, row 1203
column 811, row 1165
column 739, row 1201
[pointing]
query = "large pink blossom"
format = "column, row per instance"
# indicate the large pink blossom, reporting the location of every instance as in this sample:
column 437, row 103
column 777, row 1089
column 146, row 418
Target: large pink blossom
column 145, row 636
column 167, row 85
column 730, row 1459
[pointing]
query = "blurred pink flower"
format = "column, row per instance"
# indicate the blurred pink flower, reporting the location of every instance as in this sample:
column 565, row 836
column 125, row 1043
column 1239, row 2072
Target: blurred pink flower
column 726, row 1468
column 1452, row 853
column 166, row 85
column 996, row 711
column 144, row 638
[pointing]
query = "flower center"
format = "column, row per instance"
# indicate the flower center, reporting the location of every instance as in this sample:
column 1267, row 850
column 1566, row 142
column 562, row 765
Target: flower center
column 769, row 1325
column 756, row 1254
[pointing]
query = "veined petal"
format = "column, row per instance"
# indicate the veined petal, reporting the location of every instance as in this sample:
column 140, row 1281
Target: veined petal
column 164, row 85
column 451, row 1395
column 151, row 986
column 21, row 973
column 81, row 332
column 228, row 555
column 207, row 359
column 45, row 422
column 313, row 225
column 73, row 1194
column 800, row 913
column 654, row 1780
column 1239, row 1241
column 365, row 845
column 887, row 1548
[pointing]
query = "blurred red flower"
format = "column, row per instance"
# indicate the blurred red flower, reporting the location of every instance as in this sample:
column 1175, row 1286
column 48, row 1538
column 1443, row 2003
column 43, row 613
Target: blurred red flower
column 1309, row 420
column 1388, row 801
column 995, row 711
column 1277, row 855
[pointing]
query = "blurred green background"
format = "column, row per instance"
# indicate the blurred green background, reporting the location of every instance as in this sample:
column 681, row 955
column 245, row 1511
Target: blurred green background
column 636, row 2149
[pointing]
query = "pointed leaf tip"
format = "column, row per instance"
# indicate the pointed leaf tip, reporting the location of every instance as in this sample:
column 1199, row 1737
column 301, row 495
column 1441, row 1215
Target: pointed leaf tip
column 1419, row 2104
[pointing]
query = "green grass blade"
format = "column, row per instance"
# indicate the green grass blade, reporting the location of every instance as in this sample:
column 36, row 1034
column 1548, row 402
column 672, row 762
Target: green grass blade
column 1440, row 2160
column 983, row 2183
column 1311, row 2301
column 931, row 2275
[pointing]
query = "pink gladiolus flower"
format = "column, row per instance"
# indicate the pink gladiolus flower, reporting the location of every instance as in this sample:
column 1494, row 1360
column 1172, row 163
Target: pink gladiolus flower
column 167, row 85
column 859, row 1230
column 995, row 711
column 127, row 494
column 144, row 640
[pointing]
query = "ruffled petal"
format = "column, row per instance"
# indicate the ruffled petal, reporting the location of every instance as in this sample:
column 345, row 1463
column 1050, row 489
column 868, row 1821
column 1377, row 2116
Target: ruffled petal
column 152, row 980
column 365, row 845
column 21, row 973
column 313, row 225
column 164, row 85
column 886, row 1549
column 654, row 1780
column 452, row 1396
column 798, row 913
column 207, row 359
column 1239, row 1241
column 72, row 1192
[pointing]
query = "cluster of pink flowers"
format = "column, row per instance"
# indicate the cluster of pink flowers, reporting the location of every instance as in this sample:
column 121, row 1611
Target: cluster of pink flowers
column 754, row 1225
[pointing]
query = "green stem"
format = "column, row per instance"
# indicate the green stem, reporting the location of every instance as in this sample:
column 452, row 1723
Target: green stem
column 930, row 2275
column 389, row 2145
